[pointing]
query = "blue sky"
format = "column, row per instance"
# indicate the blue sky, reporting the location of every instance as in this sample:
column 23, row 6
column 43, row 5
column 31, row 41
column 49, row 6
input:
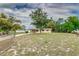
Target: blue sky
column 55, row 10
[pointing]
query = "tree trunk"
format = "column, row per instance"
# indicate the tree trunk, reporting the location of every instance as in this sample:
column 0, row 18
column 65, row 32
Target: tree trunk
column 40, row 30
column 14, row 34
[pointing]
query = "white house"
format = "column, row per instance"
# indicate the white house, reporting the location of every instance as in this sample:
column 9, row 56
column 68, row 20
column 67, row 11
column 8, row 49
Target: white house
column 45, row 30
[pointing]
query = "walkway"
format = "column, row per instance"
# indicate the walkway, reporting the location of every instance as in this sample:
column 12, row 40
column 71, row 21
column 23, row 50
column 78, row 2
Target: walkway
column 9, row 37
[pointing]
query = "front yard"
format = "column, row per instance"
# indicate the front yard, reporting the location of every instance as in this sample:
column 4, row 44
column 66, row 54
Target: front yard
column 50, row 44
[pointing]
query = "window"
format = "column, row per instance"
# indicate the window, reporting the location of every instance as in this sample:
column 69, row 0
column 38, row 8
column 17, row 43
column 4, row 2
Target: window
column 37, row 30
column 47, row 30
column 42, row 30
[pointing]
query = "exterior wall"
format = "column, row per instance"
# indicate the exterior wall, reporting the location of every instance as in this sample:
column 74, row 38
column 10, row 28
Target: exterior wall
column 46, row 31
column 75, row 31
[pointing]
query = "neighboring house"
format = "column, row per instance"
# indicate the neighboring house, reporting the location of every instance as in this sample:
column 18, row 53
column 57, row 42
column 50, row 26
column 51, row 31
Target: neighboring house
column 45, row 30
column 75, row 31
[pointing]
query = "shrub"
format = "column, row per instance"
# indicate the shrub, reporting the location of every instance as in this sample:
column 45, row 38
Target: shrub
column 26, row 31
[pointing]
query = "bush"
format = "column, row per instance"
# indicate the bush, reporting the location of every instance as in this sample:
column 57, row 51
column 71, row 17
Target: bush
column 26, row 31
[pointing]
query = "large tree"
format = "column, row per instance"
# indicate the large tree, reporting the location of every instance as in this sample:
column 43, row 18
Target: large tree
column 39, row 18
column 15, row 24
column 75, row 21
column 67, row 27
column 8, row 24
column 70, row 24
column 5, row 25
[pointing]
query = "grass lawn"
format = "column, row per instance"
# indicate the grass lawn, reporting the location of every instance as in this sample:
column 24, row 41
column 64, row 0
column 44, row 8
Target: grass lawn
column 52, row 44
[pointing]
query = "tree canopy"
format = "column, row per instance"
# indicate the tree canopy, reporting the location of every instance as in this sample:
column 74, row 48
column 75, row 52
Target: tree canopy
column 7, row 24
